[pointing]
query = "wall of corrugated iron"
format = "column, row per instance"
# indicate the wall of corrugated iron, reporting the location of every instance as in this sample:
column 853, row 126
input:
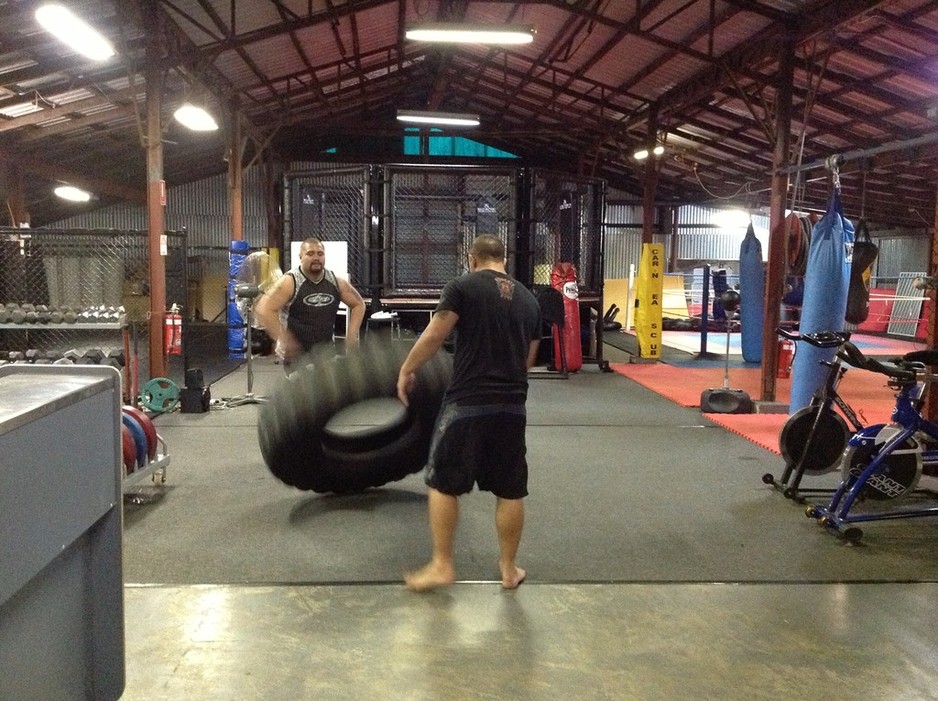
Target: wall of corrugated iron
column 900, row 254
column 201, row 208
column 698, row 240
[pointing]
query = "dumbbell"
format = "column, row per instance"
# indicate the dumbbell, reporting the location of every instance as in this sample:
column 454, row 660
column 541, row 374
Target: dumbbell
column 17, row 315
column 93, row 356
column 69, row 316
column 43, row 313
column 72, row 355
column 32, row 355
column 114, row 357
column 55, row 315
column 4, row 315
column 15, row 356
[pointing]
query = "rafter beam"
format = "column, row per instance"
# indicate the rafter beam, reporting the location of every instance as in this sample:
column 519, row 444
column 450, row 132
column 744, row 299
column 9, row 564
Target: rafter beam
column 78, row 178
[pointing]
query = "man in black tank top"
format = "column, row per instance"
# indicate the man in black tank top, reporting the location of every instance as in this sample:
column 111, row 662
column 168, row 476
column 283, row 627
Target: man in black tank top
column 309, row 296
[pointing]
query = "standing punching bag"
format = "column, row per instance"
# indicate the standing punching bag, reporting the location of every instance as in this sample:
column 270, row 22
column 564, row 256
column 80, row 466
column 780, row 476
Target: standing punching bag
column 563, row 279
column 825, row 299
column 752, row 296
column 861, row 272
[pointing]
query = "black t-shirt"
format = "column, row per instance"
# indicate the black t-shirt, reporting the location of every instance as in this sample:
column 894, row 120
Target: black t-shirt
column 498, row 319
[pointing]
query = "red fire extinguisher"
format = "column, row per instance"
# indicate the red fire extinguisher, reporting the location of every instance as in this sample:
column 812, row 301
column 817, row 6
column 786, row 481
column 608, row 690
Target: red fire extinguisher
column 786, row 354
column 172, row 332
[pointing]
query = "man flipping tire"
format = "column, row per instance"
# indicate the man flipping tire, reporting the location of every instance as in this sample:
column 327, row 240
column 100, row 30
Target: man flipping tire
column 479, row 436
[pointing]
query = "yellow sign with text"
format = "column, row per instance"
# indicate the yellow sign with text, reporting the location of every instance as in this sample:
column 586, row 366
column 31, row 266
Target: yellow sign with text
column 649, row 292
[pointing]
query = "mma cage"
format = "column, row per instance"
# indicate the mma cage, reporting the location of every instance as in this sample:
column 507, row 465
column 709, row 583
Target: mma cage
column 408, row 228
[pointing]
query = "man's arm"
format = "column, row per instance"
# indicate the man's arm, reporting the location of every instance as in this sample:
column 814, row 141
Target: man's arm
column 267, row 311
column 431, row 340
column 356, row 310
column 532, row 352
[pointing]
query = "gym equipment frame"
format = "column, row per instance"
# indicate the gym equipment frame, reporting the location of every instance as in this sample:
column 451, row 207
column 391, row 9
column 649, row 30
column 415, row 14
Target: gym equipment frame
column 884, row 462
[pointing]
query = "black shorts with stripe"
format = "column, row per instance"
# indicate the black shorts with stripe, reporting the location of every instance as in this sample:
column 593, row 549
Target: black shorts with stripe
column 480, row 445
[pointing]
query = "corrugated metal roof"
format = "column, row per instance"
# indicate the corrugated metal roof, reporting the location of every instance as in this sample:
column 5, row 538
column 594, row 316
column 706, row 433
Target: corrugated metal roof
column 309, row 74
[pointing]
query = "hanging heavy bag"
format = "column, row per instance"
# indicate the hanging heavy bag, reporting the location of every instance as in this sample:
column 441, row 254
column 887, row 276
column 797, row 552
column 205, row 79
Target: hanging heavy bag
column 752, row 296
column 861, row 272
column 825, row 299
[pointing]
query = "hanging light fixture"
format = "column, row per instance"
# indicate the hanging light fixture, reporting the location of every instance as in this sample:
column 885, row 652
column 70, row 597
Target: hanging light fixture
column 469, row 33
column 195, row 118
column 451, row 119
column 72, row 193
column 642, row 153
column 61, row 23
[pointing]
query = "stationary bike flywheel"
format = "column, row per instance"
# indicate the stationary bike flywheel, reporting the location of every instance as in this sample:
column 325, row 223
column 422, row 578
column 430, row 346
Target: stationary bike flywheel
column 827, row 444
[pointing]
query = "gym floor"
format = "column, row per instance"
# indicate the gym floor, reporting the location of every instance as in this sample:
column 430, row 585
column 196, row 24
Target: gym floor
column 574, row 639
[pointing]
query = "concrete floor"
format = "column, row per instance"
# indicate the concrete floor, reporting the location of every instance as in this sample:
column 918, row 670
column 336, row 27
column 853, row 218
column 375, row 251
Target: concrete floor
column 543, row 641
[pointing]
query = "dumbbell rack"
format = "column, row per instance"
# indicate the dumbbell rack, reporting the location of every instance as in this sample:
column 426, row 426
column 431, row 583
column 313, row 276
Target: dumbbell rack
column 65, row 327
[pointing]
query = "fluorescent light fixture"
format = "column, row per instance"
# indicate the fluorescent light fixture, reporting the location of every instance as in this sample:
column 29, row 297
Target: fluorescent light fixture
column 467, row 33
column 731, row 218
column 72, row 194
column 642, row 154
column 195, row 118
column 450, row 119
column 76, row 33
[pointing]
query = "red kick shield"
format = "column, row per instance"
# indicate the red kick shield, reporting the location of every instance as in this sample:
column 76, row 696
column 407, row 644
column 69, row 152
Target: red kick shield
column 563, row 279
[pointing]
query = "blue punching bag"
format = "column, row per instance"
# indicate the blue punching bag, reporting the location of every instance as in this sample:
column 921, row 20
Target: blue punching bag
column 827, row 279
column 751, row 296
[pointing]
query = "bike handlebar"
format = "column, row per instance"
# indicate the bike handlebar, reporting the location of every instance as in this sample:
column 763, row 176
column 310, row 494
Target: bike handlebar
column 819, row 339
column 897, row 370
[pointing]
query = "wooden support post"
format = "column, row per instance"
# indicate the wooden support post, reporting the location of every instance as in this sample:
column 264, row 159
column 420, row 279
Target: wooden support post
column 236, row 176
column 12, row 186
column 651, row 180
column 675, row 249
column 778, row 235
column 930, row 410
column 156, row 193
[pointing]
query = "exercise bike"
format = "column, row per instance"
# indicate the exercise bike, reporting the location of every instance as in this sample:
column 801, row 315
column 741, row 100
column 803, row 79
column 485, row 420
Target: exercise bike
column 814, row 437
column 884, row 462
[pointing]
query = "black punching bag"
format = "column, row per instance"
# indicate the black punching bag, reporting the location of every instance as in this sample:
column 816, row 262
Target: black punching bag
column 861, row 270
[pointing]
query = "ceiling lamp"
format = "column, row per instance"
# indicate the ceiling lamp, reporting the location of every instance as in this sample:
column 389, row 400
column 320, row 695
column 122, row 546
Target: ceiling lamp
column 468, row 33
column 450, row 119
column 74, row 32
column 72, row 193
column 642, row 154
column 195, row 118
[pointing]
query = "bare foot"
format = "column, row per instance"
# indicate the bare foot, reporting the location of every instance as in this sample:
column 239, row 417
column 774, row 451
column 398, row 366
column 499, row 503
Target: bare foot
column 513, row 579
column 428, row 577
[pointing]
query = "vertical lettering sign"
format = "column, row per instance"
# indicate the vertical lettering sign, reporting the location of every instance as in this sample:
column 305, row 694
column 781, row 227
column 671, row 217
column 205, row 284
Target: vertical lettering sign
column 649, row 292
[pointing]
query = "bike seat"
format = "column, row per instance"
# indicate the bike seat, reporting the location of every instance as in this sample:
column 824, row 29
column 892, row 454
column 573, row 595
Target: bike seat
column 925, row 357
column 826, row 339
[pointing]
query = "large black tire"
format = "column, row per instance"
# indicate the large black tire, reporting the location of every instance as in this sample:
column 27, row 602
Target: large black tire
column 827, row 446
column 291, row 426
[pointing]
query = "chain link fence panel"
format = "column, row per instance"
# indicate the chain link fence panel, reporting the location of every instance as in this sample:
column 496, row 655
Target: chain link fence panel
column 73, row 293
column 434, row 213
column 566, row 226
column 331, row 204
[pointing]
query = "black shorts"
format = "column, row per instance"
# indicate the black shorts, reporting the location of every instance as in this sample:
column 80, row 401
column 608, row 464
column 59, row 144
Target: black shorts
column 481, row 445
